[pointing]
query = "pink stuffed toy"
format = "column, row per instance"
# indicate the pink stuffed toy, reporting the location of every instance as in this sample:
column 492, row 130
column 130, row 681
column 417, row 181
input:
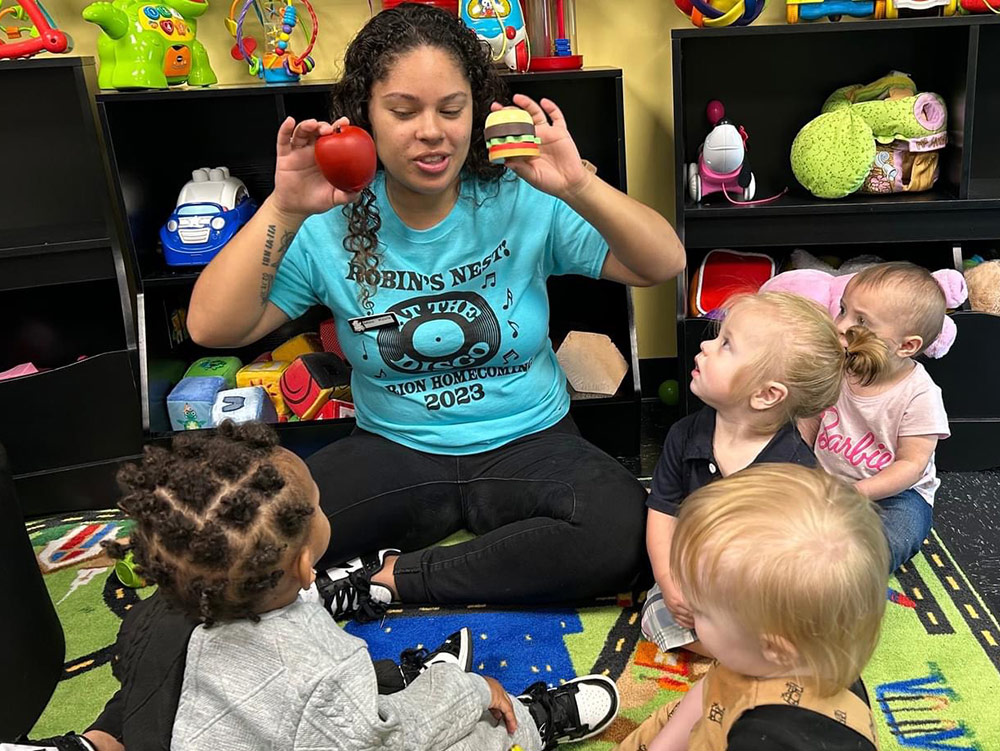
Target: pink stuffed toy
column 827, row 290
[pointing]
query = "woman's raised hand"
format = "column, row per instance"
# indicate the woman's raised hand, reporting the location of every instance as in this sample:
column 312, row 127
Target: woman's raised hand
column 558, row 170
column 300, row 189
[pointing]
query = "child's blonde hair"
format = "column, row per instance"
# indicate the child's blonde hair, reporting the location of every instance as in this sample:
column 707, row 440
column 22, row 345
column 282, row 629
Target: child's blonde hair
column 912, row 295
column 806, row 356
column 791, row 552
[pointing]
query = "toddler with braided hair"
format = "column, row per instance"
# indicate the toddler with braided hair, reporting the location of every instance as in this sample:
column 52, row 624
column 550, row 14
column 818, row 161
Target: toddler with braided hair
column 227, row 524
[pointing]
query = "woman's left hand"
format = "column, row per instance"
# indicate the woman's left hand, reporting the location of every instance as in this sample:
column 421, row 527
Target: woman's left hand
column 558, row 170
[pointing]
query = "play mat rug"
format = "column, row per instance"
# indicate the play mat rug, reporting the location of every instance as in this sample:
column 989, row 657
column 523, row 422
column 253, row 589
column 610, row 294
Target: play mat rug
column 933, row 681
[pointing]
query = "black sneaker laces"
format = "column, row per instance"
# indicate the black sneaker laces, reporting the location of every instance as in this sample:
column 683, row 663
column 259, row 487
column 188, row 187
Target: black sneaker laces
column 554, row 712
column 351, row 596
column 367, row 609
column 411, row 663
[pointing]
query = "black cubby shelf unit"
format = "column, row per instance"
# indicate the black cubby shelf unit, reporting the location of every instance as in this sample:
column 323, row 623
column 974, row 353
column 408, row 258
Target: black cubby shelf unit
column 235, row 126
column 793, row 70
column 65, row 294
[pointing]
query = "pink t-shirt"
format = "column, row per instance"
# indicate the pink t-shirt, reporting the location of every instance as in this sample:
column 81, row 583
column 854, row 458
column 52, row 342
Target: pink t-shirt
column 858, row 435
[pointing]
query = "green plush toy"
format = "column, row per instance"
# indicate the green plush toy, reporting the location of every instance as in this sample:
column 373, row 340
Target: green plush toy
column 880, row 138
column 145, row 45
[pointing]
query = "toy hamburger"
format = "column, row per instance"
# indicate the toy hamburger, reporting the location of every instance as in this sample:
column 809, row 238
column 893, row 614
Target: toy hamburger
column 509, row 133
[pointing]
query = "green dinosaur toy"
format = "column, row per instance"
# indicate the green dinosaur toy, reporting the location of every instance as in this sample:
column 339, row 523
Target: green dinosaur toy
column 146, row 45
column 881, row 138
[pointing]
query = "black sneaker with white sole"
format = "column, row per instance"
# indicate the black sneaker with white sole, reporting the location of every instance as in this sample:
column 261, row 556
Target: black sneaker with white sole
column 456, row 650
column 578, row 709
column 348, row 590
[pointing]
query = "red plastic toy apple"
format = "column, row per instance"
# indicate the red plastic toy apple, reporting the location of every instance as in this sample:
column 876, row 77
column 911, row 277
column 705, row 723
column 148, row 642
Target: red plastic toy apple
column 346, row 158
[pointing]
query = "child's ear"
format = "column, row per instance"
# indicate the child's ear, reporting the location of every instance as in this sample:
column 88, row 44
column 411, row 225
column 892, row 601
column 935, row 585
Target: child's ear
column 910, row 346
column 302, row 567
column 778, row 650
column 771, row 394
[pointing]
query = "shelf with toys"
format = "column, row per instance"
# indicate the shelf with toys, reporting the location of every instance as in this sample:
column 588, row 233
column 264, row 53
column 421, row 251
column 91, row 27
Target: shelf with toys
column 846, row 140
column 148, row 181
column 257, row 372
column 934, row 215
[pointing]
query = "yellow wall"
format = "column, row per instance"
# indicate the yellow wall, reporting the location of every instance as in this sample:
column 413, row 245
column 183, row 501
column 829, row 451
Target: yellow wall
column 630, row 34
column 634, row 35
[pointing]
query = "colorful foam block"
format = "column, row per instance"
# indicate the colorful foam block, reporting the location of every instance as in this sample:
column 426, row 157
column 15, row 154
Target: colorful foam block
column 244, row 405
column 297, row 346
column 268, row 375
column 335, row 410
column 161, row 377
column 329, row 339
column 190, row 402
column 312, row 380
column 224, row 367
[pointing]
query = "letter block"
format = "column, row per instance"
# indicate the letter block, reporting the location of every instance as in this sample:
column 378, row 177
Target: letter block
column 244, row 405
column 190, row 402
column 225, row 367
column 268, row 375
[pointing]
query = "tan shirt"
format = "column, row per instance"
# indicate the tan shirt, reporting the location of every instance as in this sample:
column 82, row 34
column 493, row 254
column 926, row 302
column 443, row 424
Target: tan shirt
column 727, row 695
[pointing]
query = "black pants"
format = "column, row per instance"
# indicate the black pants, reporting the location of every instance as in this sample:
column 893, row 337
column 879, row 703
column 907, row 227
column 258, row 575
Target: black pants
column 557, row 519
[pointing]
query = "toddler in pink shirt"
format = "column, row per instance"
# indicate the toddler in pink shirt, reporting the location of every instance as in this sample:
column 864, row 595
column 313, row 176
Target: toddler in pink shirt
column 882, row 432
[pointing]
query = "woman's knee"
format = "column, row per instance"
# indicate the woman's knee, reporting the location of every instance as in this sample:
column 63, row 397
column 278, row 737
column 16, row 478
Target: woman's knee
column 614, row 539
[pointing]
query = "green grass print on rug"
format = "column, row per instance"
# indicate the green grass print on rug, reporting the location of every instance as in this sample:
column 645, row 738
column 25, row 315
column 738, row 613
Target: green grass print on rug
column 937, row 667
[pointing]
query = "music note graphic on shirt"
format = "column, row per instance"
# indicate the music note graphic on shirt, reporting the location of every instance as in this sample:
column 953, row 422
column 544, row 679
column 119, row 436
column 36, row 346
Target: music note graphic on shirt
column 364, row 350
column 510, row 300
column 513, row 327
column 491, row 280
column 511, row 354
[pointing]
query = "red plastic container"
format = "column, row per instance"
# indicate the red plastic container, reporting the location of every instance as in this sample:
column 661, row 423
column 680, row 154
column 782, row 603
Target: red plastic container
column 449, row 5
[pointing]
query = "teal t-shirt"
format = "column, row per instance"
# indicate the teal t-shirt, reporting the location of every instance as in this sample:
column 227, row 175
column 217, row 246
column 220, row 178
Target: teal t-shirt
column 469, row 367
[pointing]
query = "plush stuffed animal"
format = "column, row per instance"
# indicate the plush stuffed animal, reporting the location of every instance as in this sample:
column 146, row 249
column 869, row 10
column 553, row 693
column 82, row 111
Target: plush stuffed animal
column 881, row 138
column 827, row 290
column 984, row 287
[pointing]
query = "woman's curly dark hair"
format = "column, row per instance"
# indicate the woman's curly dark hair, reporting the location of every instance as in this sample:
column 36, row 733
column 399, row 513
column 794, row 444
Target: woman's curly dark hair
column 368, row 59
column 213, row 518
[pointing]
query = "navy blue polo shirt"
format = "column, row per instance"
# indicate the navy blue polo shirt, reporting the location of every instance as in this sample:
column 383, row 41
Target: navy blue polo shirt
column 687, row 463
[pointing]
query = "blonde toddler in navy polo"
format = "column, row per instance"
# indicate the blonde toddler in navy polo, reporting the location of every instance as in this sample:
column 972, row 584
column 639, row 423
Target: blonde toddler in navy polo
column 777, row 358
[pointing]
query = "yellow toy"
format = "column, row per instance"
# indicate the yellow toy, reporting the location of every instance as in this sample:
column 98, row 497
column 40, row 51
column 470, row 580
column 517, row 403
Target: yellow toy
column 303, row 344
column 721, row 12
column 268, row 375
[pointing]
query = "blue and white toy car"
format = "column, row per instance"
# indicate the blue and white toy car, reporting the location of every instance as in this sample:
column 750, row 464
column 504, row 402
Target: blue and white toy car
column 211, row 208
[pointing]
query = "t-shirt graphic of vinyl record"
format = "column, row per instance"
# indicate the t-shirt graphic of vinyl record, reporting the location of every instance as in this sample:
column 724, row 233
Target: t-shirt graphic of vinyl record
column 444, row 332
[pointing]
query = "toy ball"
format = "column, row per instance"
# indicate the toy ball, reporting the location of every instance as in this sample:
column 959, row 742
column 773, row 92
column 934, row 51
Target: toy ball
column 715, row 13
column 347, row 158
column 715, row 111
column 669, row 392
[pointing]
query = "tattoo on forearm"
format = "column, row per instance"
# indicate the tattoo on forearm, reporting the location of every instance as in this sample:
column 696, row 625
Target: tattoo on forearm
column 266, row 280
column 272, row 256
column 269, row 245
